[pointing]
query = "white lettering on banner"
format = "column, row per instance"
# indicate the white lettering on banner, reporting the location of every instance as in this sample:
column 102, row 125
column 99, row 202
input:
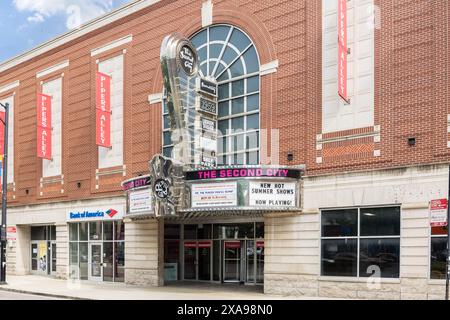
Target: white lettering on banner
column 272, row 194
column 214, row 195
column 93, row 214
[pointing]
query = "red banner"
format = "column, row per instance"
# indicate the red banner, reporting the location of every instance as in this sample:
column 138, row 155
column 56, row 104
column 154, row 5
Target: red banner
column 44, row 126
column 2, row 132
column 103, row 110
column 342, row 49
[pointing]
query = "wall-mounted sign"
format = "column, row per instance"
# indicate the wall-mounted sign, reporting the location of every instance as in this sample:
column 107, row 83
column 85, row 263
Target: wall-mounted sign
column 438, row 213
column 137, row 182
column 207, row 143
column 208, row 125
column 272, row 194
column 206, row 106
column 187, row 59
column 140, row 201
column 232, row 173
column 206, row 86
column 95, row 214
column 161, row 188
column 44, row 126
column 208, row 161
column 11, row 233
column 103, row 110
column 221, row 194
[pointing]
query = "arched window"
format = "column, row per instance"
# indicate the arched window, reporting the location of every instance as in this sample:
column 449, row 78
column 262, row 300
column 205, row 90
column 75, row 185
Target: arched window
column 228, row 55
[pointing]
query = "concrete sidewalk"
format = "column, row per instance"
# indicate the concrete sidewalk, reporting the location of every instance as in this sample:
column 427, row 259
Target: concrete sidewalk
column 72, row 289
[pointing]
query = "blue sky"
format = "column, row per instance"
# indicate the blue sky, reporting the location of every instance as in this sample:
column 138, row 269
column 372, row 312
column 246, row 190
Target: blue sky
column 24, row 24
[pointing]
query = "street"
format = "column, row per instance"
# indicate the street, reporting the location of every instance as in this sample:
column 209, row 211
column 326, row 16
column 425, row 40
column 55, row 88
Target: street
column 8, row 295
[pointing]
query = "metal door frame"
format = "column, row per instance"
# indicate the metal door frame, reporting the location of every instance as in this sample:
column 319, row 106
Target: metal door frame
column 239, row 267
column 90, row 277
column 196, row 261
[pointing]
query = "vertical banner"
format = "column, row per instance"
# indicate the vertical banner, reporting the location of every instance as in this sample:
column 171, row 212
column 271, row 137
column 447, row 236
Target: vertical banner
column 103, row 110
column 342, row 49
column 2, row 132
column 44, row 126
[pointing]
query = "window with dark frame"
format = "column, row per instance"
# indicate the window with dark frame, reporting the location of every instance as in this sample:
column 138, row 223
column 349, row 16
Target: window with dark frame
column 438, row 252
column 361, row 242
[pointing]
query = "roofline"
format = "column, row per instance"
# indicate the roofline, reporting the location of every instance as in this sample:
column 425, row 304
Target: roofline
column 84, row 29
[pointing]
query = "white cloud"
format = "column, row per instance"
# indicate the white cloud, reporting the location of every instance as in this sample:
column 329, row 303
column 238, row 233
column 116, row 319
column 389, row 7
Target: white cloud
column 76, row 11
column 37, row 17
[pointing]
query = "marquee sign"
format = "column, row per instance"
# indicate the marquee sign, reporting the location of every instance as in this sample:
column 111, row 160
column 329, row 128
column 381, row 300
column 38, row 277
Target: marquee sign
column 243, row 172
column 103, row 110
column 138, row 182
column 44, row 126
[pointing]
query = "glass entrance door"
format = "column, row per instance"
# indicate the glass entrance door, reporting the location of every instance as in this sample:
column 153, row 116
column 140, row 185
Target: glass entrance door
column 204, row 260
column 231, row 261
column 260, row 261
column 95, row 262
column 250, row 261
column 197, row 260
column 190, row 260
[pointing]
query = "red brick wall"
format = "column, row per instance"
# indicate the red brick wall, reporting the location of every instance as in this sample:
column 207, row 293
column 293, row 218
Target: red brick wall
column 412, row 95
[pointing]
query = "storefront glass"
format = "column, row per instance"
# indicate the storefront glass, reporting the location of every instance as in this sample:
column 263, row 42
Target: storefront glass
column 361, row 242
column 215, row 252
column 101, row 258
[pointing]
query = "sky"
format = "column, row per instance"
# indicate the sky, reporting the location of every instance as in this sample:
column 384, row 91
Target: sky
column 25, row 24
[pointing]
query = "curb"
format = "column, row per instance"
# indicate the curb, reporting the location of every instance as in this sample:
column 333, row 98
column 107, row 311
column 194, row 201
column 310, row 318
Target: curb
column 51, row 295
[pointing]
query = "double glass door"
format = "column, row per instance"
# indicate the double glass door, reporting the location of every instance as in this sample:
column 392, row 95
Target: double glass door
column 43, row 257
column 197, row 260
column 243, row 261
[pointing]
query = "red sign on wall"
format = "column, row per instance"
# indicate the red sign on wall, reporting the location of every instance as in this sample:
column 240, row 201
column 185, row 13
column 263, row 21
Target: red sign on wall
column 438, row 213
column 342, row 49
column 103, row 110
column 44, row 126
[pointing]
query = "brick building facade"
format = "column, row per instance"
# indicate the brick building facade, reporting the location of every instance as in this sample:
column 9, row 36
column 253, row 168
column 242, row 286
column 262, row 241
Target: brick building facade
column 387, row 149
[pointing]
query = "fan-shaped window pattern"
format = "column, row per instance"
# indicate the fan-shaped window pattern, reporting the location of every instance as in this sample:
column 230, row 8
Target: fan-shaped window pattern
column 228, row 55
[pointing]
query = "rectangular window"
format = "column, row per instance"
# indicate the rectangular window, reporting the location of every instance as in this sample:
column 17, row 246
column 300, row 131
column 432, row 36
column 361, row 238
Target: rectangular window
column 438, row 253
column 113, row 157
column 51, row 168
column 336, row 115
column 10, row 100
column 361, row 242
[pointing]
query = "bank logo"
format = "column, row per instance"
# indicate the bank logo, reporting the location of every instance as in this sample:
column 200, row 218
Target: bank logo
column 111, row 212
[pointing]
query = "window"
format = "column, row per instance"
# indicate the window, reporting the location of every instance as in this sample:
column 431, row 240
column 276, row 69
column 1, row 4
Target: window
column 109, row 235
column 360, row 242
column 228, row 55
column 112, row 157
column 51, row 168
column 438, row 253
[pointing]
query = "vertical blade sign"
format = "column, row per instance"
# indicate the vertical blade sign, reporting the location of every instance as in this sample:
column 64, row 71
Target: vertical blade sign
column 342, row 49
column 44, row 126
column 103, row 110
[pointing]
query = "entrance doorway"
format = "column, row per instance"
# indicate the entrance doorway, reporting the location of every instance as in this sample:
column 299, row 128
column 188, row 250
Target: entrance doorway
column 95, row 262
column 43, row 250
column 197, row 260
column 221, row 253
